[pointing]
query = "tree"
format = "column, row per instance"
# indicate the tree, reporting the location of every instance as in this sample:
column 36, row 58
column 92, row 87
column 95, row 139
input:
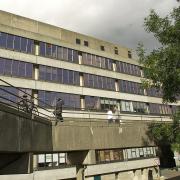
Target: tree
column 166, row 133
column 162, row 66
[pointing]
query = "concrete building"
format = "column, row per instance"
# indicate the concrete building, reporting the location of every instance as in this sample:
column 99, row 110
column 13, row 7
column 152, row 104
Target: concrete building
column 91, row 76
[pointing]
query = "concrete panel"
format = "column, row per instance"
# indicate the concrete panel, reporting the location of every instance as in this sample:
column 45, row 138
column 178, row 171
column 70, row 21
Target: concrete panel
column 20, row 133
column 119, row 166
column 56, row 174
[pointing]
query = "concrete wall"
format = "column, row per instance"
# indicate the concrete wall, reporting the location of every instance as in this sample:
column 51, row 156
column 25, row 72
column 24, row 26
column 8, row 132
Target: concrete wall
column 56, row 174
column 37, row 30
column 19, row 133
column 110, row 168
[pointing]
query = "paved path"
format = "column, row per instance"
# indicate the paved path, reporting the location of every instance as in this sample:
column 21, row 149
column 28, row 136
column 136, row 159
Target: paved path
column 170, row 174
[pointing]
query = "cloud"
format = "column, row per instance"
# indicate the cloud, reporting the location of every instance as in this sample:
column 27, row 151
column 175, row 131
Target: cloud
column 118, row 21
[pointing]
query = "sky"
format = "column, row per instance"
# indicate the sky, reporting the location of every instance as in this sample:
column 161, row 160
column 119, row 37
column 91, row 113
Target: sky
column 117, row 21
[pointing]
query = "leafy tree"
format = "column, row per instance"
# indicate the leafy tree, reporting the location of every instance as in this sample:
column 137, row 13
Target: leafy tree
column 162, row 65
column 166, row 133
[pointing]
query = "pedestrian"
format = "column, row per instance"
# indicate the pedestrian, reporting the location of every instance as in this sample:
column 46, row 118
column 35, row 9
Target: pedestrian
column 58, row 109
column 23, row 103
column 116, row 115
column 110, row 116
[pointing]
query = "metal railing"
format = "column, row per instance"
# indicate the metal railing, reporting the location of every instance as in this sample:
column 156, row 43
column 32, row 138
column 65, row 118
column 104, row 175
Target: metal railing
column 77, row 114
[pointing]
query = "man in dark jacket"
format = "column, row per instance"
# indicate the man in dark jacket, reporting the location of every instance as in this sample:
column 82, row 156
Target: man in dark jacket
column 58, row 109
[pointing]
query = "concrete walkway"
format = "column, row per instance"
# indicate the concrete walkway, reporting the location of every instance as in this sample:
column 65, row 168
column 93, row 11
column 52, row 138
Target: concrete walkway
column 170, row 174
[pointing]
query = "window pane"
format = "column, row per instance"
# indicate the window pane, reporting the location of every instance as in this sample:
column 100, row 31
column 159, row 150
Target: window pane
column 23, row 44
column 65, row 76
column 42, row 49
column 29, row 70
column 7, row 67
column 17, row 41
column 15, row 68
column 59, row 75
column 2, row 66
column 54, row 74
column 3, row 37
column 30, row 46
column 48, row 73
column 10, row 41
column 22, row 69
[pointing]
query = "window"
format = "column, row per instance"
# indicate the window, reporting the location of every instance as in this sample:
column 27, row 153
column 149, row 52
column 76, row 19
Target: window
column 99, row 82
column 116, row 51
column 78, row 41
column 51, row 160
column 86, row 43
column 49, row 97
column 102, row 48
column 126, row 106
column 130, row 87
column 129, row 54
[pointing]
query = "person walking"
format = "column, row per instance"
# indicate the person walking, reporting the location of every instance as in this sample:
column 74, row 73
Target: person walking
column 58, row 109
column 110, row 116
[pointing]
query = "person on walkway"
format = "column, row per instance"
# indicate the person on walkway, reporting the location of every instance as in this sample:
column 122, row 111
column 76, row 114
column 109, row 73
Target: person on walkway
column 58, row 109
column 110, row 116
column 23, row 103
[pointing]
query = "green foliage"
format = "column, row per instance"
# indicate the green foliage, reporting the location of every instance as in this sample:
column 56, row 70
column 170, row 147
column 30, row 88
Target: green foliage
column 162, row 65
column 166, row 133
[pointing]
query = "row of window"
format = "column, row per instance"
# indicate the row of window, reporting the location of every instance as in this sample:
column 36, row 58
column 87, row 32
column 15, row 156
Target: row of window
column 154, row 92
column 23, row 69
column 99, row 82
column 102, row 48
column 97, row 61
column 59, row 75
column 130, row 87
column 10, row 95
column 58, row 52
column 124, row 154
column 70, row 100
column 127, row 68
column 91, row 102
column 26, row 45
column 51, row 160
column 16, row 43
column 16, row 68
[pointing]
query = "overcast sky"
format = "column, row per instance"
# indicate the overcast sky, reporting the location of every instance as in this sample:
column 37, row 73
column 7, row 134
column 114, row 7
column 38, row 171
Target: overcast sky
column 118, row 21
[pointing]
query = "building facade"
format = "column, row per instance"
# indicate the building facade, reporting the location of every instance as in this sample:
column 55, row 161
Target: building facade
column 91, row 76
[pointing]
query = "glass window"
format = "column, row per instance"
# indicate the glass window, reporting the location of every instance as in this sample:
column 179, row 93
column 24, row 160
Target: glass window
column 22, row 69
column 49, row 50
column 29, row 70
column 15, row 68
column 2, row 61
column 48, row 73
column 24, row 44
column 30, row 46
column 10, row 41
column 65, row 76
column 54, row 51
column 7, row 67
column 3, row 38
column 59, row 75
column 54, row 74
column 17, row 43
column 42, row 49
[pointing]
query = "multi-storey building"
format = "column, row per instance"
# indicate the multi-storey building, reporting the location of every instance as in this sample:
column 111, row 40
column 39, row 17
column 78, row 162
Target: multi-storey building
column 91, row 76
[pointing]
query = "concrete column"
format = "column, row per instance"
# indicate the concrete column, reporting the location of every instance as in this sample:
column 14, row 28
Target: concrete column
column 116, row 85
column 81, row 80
column 114, row 66
column 36, row 49
column 90, row 157
column 36, row 72
column 35, row 162
column 82, row 102
column 80, row 173
column 80, row 58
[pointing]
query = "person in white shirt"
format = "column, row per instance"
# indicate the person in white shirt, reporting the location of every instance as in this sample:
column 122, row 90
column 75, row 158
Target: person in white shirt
column 110, row 116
